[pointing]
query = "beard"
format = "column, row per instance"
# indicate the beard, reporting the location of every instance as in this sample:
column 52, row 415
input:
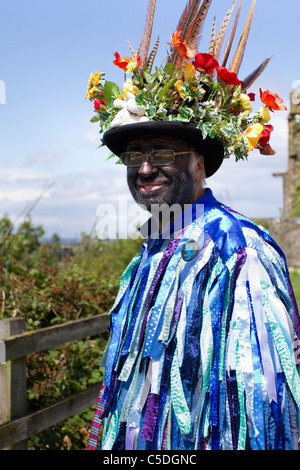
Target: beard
column 178, row 189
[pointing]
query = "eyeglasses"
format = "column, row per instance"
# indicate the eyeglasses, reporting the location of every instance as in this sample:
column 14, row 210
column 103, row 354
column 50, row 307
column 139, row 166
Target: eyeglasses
column 156, row 157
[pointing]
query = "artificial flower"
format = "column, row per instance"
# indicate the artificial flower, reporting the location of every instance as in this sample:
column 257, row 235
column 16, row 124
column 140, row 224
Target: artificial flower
column 267, row 150
column 251, row 96
column 245, row 101
column 205, row 63
column 92, row 84
column 99, row 102
column 253, row 134
column 128, row 64
column 179, row 85
column 228, row 77
column 183, row 50
column 133, row 63
column 189, row 73
column 129, row 87
column 272, row 101
column 265, row 135
column 264, row 114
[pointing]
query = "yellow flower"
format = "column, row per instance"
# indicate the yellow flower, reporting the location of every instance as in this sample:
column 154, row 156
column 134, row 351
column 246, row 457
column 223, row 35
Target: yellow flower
column 179, row 85
column 133, row 63
column 92, row 85
column 264, row 114
column 129, row 87
column 189, row 73
column 252, row 135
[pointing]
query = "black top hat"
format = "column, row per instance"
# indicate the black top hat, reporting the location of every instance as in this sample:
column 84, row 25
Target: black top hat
column 117, row 139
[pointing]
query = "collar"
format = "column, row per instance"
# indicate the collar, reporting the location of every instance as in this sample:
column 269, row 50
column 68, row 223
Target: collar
column 150, row 230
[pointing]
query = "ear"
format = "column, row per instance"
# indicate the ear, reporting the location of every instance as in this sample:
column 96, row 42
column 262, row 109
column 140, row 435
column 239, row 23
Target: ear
column 196, row 167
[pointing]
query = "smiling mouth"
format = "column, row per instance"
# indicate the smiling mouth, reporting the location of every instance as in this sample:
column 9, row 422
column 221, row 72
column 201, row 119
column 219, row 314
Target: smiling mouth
column 151, row 186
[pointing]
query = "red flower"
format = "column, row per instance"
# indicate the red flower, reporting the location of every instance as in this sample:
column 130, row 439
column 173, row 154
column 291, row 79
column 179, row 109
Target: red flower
column 98, row 103
column 205, row 63
column 263, row 143
column 265, row 135
column 183, row 50
column 272, row 101
column 228, row 77
column 251, row 96
column 267, row 150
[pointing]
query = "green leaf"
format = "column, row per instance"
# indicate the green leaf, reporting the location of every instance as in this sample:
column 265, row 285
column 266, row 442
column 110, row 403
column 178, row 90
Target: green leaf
column 205, row 128
column 111, row 91
column 228, row 130
column 186, row 113
column 169, row 68
column 95, row 118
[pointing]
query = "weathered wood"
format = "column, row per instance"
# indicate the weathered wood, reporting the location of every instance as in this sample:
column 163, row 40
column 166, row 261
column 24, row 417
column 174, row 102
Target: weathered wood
column 22, row 428
column 46, row 338
column 13, row 392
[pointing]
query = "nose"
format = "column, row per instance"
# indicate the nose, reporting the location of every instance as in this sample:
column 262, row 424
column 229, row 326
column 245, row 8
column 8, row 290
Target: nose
column 146, row 169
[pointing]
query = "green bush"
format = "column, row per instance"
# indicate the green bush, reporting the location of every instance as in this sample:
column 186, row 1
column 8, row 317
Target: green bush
column 47, row 284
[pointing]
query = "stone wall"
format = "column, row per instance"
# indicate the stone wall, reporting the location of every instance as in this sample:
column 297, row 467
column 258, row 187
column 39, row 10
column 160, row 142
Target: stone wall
column 286, row 233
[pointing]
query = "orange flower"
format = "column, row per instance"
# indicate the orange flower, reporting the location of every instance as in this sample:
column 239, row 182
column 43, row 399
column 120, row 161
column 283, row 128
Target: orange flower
column 126, row 63
column 272, row 101
column 183, row 50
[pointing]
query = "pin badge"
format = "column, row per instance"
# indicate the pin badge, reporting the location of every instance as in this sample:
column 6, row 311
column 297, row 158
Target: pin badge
column 189, row 250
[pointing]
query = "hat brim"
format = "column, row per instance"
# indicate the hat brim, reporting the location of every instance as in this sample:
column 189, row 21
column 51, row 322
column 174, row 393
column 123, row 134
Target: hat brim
column 117, row 139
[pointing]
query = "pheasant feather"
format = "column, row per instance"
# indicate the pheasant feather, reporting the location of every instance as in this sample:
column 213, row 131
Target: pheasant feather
column 143, row 50
column 211, row 47
column 152, row 55
column 188, row 17
column 238, row 57
column 193, row 33
column 231, row 37
column 221, row 34
column 254, row 75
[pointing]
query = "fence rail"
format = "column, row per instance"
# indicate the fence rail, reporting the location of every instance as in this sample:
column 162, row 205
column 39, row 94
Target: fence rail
column 16, row 426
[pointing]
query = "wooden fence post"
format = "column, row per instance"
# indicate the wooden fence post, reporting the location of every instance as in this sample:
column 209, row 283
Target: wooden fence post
column 13, row 392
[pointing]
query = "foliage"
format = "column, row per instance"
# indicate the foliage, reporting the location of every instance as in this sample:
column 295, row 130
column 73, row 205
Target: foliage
column 295, row 280
column 51, row 283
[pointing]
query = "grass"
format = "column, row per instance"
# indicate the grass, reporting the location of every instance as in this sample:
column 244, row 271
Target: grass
column 295, row 280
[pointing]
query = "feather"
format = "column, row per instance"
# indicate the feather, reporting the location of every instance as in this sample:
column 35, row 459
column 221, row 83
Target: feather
column 133, row 52
column 221, row 34
column 193, row 34
column 231, row 37
column 188, row 16
column 152, row 55
column 190, row 24
column 211, row 47
column 254, row 75
column 143, row 49
column 238, row 57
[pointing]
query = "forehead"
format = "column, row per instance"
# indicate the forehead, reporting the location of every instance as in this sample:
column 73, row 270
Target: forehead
column 157, row 142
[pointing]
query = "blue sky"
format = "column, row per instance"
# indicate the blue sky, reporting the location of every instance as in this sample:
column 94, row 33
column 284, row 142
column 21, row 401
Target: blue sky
column 49, row 149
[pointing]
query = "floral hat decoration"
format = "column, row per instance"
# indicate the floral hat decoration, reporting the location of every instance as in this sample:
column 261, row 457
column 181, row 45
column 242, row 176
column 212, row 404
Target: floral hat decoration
column 192, row 87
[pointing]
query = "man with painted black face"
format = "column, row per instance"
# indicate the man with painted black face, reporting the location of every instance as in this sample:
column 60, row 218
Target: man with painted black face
column 205, row 328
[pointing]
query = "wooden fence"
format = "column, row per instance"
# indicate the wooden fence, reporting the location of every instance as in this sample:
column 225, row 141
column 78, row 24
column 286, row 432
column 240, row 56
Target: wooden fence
column 16, row 426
